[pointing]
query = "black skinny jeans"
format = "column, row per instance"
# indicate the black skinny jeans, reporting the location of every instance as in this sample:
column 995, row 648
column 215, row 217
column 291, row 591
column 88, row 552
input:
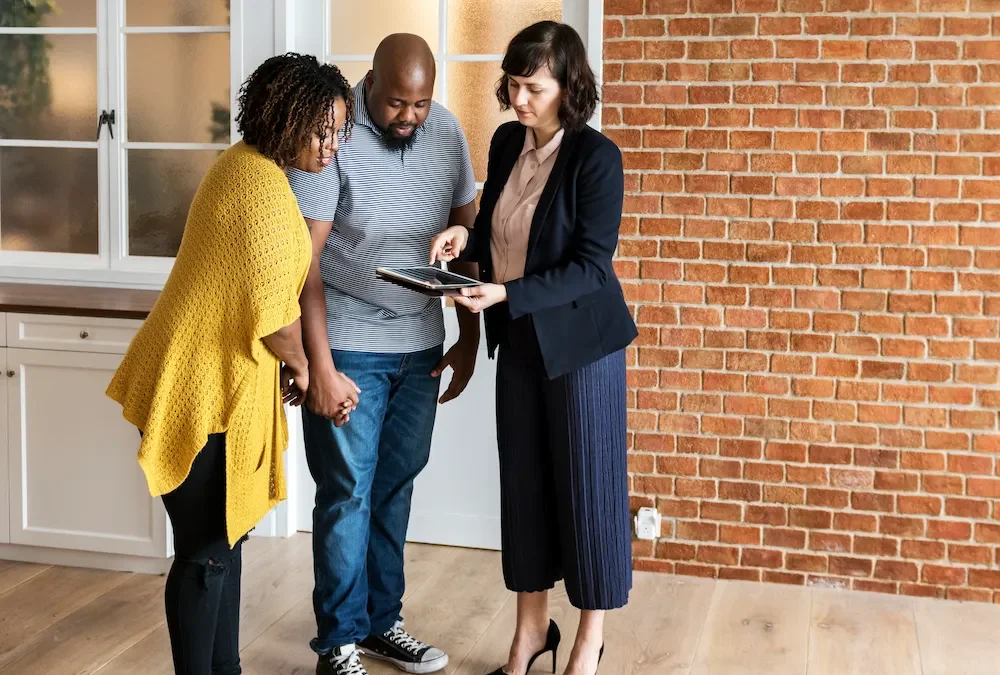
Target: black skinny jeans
column 203, row 586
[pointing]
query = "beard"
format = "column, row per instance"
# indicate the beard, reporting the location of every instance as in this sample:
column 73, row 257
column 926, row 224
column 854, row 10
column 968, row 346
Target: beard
column 392, row 141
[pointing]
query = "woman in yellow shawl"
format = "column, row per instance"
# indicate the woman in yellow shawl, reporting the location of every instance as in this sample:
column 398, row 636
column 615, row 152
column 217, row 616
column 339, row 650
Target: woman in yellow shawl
column 203, row 380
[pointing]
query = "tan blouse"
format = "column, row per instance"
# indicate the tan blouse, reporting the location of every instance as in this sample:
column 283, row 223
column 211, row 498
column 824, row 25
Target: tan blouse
column 515, row 208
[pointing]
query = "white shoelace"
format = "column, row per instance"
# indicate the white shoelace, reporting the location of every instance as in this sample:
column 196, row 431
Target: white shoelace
column 405, row 641
column 349, row 664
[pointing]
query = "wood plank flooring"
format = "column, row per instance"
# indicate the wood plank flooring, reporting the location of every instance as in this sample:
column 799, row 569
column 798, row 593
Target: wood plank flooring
column 85, row 622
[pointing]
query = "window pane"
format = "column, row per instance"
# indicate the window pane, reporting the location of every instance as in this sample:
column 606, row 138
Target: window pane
column 354, row 71
column 48, row 87
column 61, row 13
column 178, row 88
column 161, row 185
column 358, row 27
column 471, row 87
column 48, row 200
column 177, row 12
column 486, row 26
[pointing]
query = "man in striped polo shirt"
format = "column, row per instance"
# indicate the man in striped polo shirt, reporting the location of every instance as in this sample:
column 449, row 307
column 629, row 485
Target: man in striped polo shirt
column 402, row 177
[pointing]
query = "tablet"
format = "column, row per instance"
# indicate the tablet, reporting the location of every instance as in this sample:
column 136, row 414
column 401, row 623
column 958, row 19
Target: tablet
column 428, row 279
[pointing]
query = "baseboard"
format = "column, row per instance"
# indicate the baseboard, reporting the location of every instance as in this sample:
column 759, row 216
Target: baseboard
column 89, row 559
column 454, row 529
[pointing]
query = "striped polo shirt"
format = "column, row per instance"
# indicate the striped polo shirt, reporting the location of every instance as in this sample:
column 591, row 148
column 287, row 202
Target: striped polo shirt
column 386, row 206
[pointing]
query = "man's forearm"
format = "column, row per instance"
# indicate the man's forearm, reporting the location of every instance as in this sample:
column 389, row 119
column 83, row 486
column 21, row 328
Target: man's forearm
column 468, row 323
column 315, row 339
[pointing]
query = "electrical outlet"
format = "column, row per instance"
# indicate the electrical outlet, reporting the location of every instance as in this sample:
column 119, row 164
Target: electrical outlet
column 647, row 524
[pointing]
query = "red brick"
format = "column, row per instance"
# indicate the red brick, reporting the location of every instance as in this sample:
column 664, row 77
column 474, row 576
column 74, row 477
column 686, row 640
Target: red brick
column 784, row 538
column 855, row 522
column 663, row 7
column 921, row 591
column 841, row 565
column 896, row 570
column 826, row 25
column 949, row 530
column 617, row 7
column 785, row 25
column 807, row 563
column 761, row 558
column 744, row 536
column 669, row 550
column 797, row 49
column 905, row 527
column 644, row 27
column 686, row 72
column 718, row 555
column 890, row 49
column 923, row 550
column 984, row 578
column 939, row 575
column 705, row 571
column 760, row 514
column 739, row 574
column 969, row 595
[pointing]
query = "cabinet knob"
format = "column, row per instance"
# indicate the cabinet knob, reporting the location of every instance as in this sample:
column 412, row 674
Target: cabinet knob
column 84, row 335
column 10, row 373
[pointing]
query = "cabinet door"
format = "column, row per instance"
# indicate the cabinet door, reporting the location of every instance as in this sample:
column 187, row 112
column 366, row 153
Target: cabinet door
column 4, row 483
column 74, row 479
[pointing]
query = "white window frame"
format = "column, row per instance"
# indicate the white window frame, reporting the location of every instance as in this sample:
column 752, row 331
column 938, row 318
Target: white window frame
column 258, row 29
column 586, row 16
column 111, row 265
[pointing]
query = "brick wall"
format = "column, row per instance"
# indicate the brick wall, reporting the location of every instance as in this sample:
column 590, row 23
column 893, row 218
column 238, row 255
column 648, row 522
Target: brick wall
column 812, row 246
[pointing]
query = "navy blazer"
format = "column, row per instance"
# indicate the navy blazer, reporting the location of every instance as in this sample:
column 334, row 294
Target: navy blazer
column 569, row 288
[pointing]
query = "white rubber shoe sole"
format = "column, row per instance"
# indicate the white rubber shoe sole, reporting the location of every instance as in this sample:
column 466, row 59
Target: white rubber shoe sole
column 422, row 668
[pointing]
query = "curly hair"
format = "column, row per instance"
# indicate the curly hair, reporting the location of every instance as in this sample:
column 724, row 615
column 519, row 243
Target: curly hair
column 288, row 99
column 559, row 47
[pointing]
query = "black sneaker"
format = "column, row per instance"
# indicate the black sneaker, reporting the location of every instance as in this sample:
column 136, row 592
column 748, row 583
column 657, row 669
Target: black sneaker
column 341, row 661
column 404, row 651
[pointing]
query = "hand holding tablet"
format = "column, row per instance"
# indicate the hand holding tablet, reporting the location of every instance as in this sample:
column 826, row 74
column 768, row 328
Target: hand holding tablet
column 428, row 280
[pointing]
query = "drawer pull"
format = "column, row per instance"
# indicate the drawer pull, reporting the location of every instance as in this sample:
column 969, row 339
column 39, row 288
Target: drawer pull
column 84, row 335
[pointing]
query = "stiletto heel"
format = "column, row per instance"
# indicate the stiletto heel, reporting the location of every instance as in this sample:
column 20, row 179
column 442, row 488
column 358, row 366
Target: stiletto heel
column 552, row 640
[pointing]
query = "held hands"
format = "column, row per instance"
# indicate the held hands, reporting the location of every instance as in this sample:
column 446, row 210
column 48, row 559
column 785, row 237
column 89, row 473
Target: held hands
column 294, row 385
column 448, row 245
column 332, row 395
column 481, row 297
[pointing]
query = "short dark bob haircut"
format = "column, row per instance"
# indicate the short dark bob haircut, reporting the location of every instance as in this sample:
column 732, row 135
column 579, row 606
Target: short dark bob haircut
column 559, row 47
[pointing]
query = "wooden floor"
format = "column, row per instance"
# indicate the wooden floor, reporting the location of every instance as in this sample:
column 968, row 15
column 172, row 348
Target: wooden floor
column 78, row 622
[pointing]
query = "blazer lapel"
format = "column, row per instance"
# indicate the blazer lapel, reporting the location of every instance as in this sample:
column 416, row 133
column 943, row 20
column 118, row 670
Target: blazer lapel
column 511, row 151
column 549, row 192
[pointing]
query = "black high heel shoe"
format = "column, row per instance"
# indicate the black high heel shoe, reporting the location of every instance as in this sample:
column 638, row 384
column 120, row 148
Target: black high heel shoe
column 551, row 645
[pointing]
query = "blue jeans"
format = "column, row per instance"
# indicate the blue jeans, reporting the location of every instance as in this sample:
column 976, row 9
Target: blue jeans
column 364, row 474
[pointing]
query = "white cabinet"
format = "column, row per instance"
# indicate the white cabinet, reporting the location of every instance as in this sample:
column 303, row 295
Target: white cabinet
column 74, row 479
column 72, row 491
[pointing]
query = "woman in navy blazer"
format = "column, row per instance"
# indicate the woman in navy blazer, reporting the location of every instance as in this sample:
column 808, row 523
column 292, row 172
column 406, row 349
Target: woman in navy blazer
column 544, row 238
